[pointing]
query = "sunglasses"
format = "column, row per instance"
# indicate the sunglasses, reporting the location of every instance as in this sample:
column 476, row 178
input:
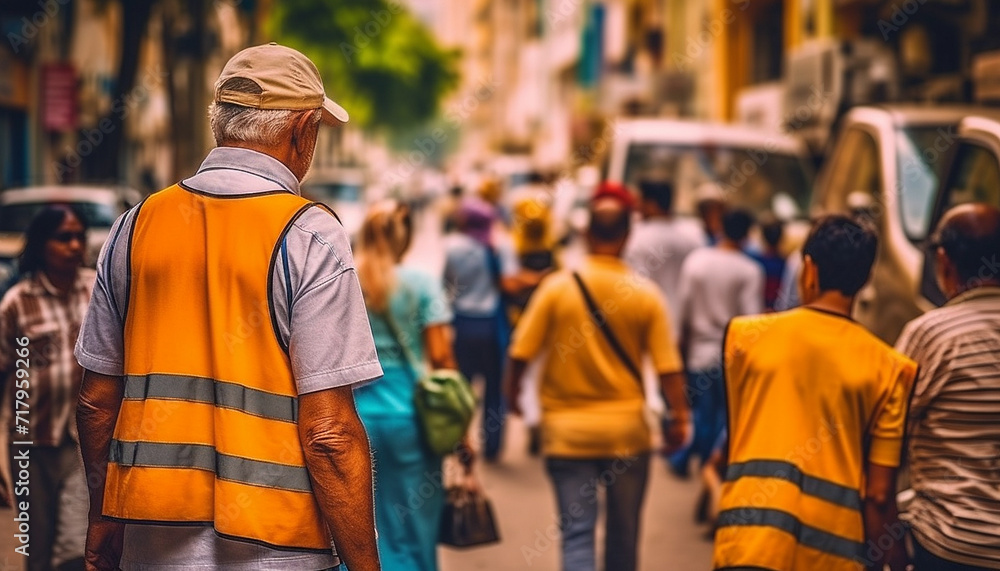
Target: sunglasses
column 67, row 237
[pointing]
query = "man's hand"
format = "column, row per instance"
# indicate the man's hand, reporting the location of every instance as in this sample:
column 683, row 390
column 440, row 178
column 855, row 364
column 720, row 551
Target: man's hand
column 512, row 384
column 104, row 544
column 677, row 435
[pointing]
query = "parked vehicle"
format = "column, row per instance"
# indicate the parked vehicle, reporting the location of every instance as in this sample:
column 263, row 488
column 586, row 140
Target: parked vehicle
column 887, row 165
column 18, row 206
column 973, row 175
column 758, row 170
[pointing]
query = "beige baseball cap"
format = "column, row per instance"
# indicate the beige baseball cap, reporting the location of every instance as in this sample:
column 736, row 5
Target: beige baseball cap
column 289, row 80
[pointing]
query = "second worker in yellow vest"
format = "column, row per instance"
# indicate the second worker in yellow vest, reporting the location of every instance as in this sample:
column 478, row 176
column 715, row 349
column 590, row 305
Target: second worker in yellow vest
column 817, row 409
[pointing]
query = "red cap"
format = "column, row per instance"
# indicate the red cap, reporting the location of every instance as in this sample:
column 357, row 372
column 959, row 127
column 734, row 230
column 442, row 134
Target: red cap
column 616, row 191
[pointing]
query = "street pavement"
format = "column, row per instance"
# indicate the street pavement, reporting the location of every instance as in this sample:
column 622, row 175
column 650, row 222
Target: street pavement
column 524, row 505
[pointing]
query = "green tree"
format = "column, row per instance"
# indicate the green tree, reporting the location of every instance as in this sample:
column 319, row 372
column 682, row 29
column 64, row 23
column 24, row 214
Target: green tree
column 377, row 59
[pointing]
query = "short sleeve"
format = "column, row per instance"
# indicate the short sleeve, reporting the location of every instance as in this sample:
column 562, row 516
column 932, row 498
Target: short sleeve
column 8, row 332
column 100, row 346
column 329, row 338
column 532, row 329
column 659, row 341
column 890, row 419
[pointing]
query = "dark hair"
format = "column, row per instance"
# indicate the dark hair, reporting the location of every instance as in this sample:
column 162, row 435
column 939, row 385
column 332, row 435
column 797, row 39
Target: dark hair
column 660, row 192
column 609, row 225
column 736, row 224
column 969, row 246
column 843, row 250
column 42, row 228
column 772, row 231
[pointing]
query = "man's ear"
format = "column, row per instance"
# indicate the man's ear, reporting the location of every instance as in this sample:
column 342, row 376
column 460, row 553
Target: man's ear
column 301, row 132
column 944, row 271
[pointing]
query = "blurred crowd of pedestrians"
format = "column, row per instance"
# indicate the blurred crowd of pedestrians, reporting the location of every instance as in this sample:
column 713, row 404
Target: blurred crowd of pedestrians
column 248, row 389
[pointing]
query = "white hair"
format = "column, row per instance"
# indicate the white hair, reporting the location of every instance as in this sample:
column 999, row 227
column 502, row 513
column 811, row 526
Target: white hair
column 233, row 123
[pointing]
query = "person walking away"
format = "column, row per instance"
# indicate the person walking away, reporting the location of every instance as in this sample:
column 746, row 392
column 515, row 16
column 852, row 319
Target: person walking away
column 40, row 318
column 816, row 414
column 717, row 283
column 591, row 390
column 405, row 305
column 473, row 273
column 217, row 414
column 536, row 251
column 660, row 243
column 771, row 260
column 954, row 419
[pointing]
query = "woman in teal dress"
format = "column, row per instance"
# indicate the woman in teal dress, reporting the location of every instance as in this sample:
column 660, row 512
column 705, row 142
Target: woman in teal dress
column 409, row 492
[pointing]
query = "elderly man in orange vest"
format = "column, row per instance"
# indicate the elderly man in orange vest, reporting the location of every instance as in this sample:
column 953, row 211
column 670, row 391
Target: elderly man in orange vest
column 221, row 347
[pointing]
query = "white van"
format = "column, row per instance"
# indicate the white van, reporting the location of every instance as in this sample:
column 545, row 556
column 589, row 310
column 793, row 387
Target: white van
column 887, row 165
column 759, row 170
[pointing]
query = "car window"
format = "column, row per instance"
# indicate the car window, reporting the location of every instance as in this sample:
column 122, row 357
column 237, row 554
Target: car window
column 15, row 218
column 919, row 159
column 855, row 174
column 758, row 180
column 975, row 177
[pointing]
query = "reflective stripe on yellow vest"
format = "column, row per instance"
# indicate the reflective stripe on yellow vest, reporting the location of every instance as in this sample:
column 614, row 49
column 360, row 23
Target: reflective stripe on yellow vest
column 207, row 432
column 774, row 514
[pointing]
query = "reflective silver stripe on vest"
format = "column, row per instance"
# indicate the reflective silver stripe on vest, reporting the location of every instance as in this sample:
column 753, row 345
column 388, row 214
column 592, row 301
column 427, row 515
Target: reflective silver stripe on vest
column 203, row 457
column 219, row 393
column 804, row 534
column 811, row 485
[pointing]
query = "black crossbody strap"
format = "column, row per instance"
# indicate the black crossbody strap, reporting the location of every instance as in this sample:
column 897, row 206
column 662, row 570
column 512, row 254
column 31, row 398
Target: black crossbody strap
column 602, row 321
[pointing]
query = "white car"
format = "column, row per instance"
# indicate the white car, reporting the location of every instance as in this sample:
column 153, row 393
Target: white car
column 99, row 205
column 758, row 170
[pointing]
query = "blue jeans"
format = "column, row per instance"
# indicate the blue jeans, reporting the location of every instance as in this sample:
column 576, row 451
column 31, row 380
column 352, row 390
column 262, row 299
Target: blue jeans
column 575, row 482
column 706, row 392
column 479, row 350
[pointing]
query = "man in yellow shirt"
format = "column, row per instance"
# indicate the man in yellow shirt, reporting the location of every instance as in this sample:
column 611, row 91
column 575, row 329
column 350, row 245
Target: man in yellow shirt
column 594, row 432
column 817, row 408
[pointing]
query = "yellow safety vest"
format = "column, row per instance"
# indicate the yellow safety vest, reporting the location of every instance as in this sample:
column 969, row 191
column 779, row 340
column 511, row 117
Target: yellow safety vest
column 207, row 432
column 804, row 390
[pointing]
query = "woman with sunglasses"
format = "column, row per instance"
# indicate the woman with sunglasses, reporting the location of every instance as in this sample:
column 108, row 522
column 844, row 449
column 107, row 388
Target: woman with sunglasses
column 405, row 305
column 40, row 318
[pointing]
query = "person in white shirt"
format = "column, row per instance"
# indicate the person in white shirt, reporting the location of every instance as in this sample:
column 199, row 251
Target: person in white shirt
column 717, row 284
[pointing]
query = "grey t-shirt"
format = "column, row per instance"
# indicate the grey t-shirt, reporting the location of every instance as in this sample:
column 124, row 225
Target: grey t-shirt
column 326, row 330
column 470, row 281
column 656, row 249
column 716, row 285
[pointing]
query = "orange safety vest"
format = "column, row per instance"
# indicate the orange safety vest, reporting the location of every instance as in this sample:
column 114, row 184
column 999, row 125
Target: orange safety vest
column 207, row 432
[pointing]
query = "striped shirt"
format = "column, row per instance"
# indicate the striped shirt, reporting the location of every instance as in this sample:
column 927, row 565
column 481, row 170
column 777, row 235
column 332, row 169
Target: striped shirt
column 50, row 320
column 954, row 428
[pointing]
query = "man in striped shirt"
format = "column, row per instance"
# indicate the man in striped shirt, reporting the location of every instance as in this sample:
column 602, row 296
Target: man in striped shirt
column 954, row 419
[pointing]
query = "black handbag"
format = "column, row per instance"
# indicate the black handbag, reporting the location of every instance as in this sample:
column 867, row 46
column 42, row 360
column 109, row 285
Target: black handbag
column 467, row 520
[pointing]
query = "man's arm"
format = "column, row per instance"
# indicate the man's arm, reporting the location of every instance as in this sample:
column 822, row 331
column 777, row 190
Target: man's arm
column 512, row 384
column 881, row 518
column 672, row 385
column 338, row 458
column 96, row 416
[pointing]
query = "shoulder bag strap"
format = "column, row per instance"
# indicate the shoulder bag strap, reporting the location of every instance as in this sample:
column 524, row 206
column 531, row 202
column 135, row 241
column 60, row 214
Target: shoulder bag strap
column 602, row 321
column 397, row 335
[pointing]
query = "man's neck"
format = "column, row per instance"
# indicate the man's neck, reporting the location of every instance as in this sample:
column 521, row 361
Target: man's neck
column 833, row 302
column 729, row 245
column 60, row 280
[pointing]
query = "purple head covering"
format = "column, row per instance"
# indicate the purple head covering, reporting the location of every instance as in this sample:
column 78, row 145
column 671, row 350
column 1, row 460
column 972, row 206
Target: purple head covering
column 477, row 218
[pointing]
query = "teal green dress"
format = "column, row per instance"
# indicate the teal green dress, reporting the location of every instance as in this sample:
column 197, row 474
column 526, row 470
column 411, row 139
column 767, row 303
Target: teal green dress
column 409, row 494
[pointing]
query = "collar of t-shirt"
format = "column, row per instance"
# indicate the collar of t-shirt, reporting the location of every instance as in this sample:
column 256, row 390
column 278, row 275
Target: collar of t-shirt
column 232, row 170
column 975, row 293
